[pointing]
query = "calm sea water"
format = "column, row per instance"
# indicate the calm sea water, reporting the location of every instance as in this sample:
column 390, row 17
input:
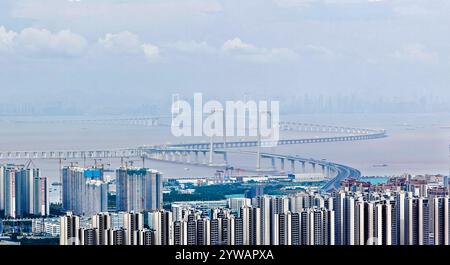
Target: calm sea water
column 417, row 143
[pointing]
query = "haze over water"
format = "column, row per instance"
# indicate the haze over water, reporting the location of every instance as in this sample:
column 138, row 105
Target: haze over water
column 416, row 143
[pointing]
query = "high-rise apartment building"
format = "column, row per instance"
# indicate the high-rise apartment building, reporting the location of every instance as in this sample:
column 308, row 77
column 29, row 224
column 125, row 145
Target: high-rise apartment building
column 138, row 189
column 102, row 223
column 84, row 190
column 70, row 229
column 23, row 192
column 161, row 222
column 366, row 219
column 133, row 222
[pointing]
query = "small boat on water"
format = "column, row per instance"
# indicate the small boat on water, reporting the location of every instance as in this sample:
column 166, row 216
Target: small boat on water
column 380, row 165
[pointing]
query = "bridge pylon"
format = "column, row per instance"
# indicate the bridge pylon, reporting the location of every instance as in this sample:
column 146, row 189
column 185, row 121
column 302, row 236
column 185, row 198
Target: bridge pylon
column 211, row 152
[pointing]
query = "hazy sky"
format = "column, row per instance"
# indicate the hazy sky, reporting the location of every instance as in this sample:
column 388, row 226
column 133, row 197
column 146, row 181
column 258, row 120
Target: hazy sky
column 97, row 53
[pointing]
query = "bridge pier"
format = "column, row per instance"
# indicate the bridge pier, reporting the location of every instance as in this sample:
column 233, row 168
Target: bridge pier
column 187, row 156
column 314, row 167
column 196, row 157
column 211, row 152
column 282, row 164
column 225, row 158
column 258, row 161
column 273, row 163
column 178, row 157
column 293, row 165
column 204, row 158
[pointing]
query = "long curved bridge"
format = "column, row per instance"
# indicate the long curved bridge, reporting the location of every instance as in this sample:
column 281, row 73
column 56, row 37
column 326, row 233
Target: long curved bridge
column 333, row 172
column 184, row 152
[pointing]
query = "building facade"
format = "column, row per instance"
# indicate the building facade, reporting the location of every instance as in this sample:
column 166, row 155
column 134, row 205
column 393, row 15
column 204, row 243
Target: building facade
column 138, row 189
column 84, row 190
column 23, row 192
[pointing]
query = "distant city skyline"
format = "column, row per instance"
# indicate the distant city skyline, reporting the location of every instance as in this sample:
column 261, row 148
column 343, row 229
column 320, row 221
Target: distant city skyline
column 298, row 104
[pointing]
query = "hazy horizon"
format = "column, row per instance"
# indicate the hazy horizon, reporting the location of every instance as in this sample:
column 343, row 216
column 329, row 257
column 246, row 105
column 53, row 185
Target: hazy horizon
column 98, row 56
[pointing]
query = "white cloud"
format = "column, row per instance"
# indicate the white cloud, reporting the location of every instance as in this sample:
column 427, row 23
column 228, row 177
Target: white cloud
column 151, row 51
column 6, row 39
column 192, row 47
column 122, row 42
column 249, row 52
column 416, row 53
column 237, row 44
column 42, row 42
column 128, row 43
